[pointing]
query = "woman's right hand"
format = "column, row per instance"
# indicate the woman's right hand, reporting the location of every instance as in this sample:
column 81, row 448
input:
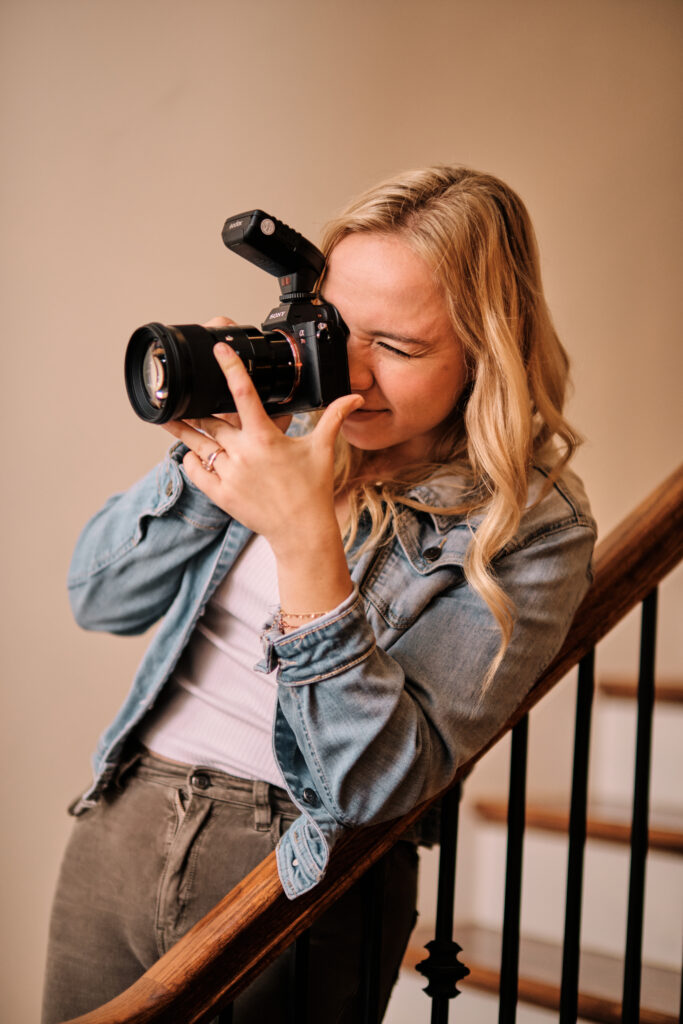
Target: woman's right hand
column 278, row 486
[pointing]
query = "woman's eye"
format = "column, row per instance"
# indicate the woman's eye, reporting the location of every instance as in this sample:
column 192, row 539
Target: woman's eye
column 395, row 351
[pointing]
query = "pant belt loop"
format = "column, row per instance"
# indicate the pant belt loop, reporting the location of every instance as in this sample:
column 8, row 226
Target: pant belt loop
column 262, row 809
column 125, row 766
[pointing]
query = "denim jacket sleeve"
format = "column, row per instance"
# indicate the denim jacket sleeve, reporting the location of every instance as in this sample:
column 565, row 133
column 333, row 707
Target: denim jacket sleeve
column 130, row 558
column 386, row 699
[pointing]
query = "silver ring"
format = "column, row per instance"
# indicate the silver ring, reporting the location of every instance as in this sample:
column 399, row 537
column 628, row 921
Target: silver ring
column 208, row 463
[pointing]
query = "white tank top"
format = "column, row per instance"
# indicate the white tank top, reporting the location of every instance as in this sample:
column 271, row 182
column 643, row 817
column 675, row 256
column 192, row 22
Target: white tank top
column 215, row 710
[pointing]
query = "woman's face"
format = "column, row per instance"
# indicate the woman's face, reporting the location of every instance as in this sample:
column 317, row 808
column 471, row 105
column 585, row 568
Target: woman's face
column 404, row 357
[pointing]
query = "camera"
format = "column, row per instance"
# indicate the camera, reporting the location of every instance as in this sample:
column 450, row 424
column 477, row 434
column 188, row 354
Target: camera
column 297, row 360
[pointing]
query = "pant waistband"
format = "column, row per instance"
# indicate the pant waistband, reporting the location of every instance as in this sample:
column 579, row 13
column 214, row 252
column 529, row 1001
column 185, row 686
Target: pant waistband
column 205, row 781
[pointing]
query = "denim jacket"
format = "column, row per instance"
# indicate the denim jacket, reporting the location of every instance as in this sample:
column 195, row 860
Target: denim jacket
column 379, row 700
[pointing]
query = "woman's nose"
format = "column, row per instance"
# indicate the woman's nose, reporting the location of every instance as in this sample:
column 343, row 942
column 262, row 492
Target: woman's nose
column 360, row 373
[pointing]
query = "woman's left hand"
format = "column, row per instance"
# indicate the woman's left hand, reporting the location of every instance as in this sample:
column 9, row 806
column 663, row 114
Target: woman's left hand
column 278, row 486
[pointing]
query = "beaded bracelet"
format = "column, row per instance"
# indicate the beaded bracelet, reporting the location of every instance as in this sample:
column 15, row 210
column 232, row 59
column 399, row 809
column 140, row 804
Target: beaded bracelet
column 282, row 621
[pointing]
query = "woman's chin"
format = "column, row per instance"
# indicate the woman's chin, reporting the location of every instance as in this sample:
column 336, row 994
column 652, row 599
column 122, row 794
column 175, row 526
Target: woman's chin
column 363, row 429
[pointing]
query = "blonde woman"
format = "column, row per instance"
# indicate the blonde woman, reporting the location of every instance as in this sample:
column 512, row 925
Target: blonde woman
column 416, row 554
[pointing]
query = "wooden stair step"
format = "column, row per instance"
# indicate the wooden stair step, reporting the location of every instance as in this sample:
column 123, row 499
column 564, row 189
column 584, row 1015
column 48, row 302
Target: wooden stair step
column 540, row 973
column 667, row 691
column 605, row 820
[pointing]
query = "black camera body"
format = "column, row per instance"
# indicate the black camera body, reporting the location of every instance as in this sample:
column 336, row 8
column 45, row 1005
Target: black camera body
column 297, row 360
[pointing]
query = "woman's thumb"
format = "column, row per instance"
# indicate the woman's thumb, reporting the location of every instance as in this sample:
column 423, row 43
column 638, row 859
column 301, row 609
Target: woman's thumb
column 330, row 422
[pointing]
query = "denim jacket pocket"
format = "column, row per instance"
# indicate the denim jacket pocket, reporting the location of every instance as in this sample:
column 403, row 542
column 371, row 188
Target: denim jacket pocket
column 409, row 572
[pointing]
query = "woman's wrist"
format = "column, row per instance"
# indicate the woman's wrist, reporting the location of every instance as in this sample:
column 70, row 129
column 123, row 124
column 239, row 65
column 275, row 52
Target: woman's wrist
column 313, row 578
column 287, row 621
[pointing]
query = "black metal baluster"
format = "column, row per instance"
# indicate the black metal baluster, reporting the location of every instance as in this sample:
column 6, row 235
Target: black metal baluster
column 373, row 903
column 509, row 961
column 442, row 968
column 298, row 980
column 569, row 993
column 639, row 827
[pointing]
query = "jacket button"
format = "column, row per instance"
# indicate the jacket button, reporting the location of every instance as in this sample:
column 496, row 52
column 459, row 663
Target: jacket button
column 310, row 797
column 431, row 554
column 200, row 780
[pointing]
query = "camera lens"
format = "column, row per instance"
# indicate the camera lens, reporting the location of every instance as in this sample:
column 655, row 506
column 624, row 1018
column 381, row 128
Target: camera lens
column 154, row 374
column 172, row 373
column 156, row 370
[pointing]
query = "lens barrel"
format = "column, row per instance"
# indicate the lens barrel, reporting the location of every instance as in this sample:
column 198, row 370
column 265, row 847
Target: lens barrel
column 172, row 373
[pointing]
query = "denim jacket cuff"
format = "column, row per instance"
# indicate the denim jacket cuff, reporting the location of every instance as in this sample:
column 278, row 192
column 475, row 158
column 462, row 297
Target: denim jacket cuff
column 301, row 856
column 177, row 491
column 325, row 647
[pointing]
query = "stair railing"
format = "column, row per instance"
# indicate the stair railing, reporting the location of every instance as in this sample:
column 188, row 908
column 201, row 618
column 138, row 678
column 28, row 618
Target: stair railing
column 198, row 978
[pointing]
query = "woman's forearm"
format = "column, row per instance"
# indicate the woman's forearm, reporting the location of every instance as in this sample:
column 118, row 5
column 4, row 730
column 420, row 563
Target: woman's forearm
column 313, row 575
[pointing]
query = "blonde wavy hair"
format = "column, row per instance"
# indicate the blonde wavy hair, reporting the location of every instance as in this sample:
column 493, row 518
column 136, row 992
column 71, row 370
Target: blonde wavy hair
column 476, row 235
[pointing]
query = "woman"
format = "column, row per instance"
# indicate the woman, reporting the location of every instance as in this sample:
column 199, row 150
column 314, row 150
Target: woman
column 418, row 555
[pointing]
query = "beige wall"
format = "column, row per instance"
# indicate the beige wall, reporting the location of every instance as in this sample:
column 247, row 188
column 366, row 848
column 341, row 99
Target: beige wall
column 133, row 128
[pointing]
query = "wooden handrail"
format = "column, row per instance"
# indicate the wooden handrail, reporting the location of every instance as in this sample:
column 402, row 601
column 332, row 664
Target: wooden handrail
column 224, row 951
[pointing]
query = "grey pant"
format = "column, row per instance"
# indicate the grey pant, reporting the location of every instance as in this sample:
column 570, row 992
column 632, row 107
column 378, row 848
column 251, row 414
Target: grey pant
column 159, row 850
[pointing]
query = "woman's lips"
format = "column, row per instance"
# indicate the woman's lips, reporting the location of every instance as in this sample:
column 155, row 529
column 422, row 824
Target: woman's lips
column 366, row 414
